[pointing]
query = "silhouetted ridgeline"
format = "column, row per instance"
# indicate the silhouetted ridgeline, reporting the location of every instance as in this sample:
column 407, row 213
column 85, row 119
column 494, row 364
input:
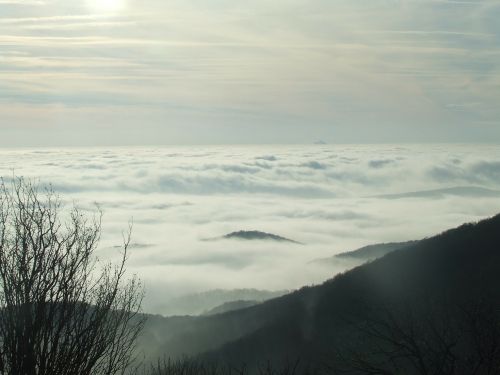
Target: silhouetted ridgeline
column 430, row 289
column 252, row 235
column 200, row 303
column 231, row 306
column 372, row 252
column 459, row 191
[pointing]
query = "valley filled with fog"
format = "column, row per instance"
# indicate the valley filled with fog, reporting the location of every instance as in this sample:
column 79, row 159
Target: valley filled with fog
column 330, row 199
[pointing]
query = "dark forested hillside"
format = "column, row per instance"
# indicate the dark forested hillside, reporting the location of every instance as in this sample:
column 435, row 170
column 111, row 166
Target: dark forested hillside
column 432, row 288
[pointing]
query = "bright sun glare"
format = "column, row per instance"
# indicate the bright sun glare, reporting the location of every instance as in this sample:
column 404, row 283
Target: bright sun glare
column 107, row 5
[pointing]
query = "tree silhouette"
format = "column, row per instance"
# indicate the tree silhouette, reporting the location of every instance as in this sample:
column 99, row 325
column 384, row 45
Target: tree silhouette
column 61, row 310
column 432, row 338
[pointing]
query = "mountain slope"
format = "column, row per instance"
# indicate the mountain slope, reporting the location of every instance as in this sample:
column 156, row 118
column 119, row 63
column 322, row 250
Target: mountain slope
column 452, row 268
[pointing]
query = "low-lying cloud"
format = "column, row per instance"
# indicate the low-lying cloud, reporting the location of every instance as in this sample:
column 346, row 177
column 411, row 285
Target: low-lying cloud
column 330, row 198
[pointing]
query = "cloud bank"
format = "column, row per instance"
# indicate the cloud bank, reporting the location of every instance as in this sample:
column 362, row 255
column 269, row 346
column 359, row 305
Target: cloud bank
column 331, row 198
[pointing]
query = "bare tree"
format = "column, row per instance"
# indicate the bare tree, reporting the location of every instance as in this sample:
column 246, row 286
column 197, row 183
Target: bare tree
column 61, row 310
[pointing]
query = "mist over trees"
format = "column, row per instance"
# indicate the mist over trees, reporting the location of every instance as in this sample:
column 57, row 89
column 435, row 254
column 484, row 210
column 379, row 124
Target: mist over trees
column 61, row 310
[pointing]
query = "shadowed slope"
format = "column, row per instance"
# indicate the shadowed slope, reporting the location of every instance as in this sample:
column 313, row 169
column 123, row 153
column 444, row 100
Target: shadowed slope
column 448, row 269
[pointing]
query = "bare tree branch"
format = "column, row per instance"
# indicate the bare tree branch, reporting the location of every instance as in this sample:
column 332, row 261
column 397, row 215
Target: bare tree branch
column 61, row 310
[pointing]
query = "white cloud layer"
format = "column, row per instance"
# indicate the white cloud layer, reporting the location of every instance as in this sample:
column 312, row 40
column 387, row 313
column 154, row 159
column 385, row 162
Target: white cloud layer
column 327, row 197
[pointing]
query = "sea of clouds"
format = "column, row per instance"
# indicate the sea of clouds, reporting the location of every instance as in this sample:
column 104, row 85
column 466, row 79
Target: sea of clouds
column 330, row 198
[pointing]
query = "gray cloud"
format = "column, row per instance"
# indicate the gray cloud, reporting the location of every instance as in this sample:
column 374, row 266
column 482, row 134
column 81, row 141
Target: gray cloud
column 487, row 170
column 479, row 172
column 380, row 163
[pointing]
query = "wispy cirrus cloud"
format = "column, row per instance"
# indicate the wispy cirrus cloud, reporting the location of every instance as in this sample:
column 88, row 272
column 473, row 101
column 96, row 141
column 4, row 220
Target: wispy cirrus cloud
column 51, row 19
column 24, row 2
column 292, row 70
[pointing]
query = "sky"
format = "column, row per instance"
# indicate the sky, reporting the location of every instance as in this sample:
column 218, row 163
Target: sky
column 331, row 198
column 155, row 72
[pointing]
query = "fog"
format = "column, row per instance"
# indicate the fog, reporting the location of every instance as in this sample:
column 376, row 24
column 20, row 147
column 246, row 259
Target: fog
column 330, row 198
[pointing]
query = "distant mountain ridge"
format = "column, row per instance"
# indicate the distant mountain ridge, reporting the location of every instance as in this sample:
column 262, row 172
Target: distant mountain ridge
column 231, row 306
column 199, row 303
column 252, row 235
column 366, row 253
column 375, row 251
column 461, row 191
